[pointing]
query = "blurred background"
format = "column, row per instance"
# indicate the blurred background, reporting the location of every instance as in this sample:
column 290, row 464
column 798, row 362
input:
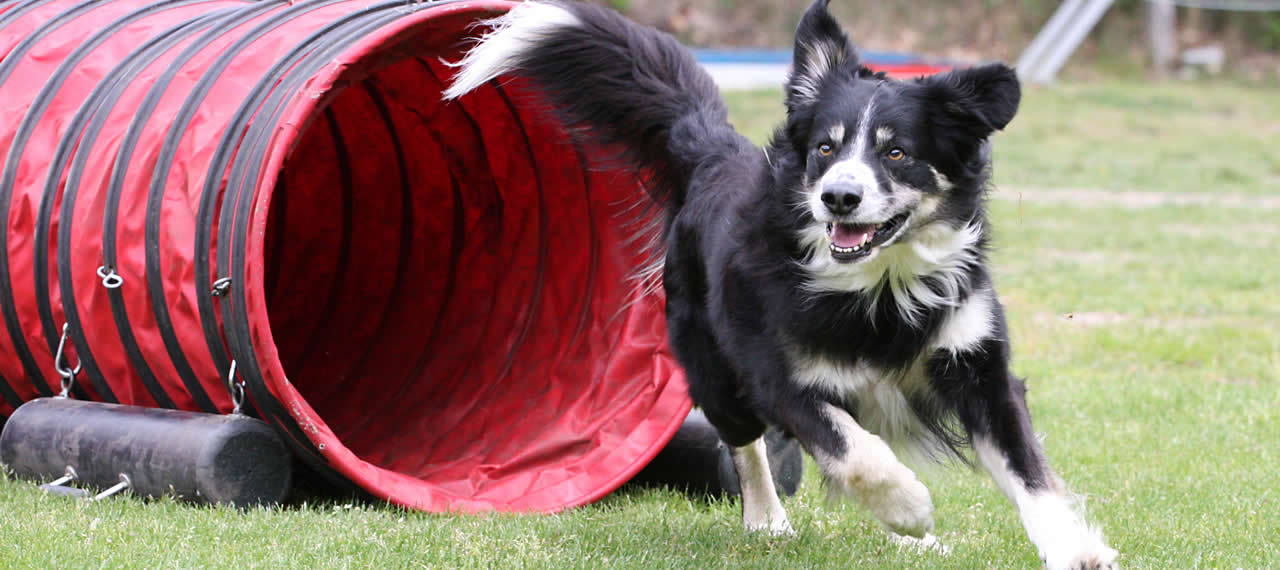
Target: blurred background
column 1136, row 251
column 1239, row 38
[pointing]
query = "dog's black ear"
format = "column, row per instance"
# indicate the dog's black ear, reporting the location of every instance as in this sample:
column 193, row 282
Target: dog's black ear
column 976, row 100
column 821, row 49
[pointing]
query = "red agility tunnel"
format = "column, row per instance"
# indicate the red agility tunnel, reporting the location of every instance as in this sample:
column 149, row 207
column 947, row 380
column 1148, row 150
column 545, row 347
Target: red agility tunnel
column 428, row 300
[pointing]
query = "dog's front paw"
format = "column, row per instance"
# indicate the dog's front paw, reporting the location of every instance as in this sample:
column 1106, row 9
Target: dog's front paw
column 929, row 543
column 900, row 501
column 1065, row 540
column 1097, row 556
column 773, row 526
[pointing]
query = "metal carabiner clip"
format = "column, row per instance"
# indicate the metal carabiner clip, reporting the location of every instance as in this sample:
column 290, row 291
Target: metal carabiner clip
column 59, row 363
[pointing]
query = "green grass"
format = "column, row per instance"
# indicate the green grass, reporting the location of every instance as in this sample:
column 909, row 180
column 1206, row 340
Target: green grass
column 1119, row 135
column 1149, row 335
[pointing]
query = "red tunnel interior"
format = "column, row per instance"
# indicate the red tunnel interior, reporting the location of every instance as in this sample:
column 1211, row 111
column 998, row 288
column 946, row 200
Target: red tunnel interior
column 449, row 288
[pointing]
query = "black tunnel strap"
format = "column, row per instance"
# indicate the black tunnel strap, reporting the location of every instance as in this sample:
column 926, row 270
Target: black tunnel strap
column 62, row 156
column 209, row 196
column 155, row 200
column 264, row 107
column 298, row 65
column 18, row 10
column 236, row 141
column 275, row 78
column 8, row 306
column 261, row 110
column 164, row 163
column 99, row 106
column 10, row 396
column 81, row 138
column 111, row 215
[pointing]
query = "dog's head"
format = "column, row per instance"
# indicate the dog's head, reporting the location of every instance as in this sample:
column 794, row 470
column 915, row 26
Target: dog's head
column 885, row 160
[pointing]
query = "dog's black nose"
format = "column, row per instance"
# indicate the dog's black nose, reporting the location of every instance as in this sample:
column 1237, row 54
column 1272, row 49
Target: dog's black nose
column 841, row 199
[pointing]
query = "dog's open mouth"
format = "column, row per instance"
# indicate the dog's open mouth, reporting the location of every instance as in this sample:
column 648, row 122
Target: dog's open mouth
column 851, row 242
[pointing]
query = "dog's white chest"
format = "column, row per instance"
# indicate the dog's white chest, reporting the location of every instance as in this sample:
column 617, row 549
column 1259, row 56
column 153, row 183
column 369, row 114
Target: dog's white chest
column 878, row 397
column 838, row 379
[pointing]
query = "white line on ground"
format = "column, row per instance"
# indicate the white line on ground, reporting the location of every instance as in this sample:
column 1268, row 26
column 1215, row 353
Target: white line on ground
column 1092, row 197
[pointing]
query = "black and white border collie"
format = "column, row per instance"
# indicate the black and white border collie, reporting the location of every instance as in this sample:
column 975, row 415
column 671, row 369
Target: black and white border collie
column 833, row 283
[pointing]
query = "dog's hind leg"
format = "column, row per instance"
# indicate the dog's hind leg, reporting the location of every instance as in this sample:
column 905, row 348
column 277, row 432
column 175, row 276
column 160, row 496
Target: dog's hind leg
column 761, row 508
column 715, row 387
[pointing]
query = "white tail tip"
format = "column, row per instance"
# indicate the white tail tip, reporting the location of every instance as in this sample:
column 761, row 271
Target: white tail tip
column 501, row 50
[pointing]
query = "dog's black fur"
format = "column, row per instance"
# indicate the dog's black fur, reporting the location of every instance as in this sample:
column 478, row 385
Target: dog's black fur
column 748, row 297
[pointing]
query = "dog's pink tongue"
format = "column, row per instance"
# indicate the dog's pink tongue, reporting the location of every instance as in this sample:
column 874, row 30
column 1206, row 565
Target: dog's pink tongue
column 849, row 235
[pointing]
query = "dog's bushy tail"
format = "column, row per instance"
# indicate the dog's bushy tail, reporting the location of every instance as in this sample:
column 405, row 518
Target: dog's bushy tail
column 624, row 87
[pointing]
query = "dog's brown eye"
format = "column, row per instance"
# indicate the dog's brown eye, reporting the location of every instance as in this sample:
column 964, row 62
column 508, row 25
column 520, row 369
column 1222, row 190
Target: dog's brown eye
column 825, row 149
column 896, row 154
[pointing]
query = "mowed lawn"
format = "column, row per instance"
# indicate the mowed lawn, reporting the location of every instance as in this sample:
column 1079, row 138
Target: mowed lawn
column 1138, row 254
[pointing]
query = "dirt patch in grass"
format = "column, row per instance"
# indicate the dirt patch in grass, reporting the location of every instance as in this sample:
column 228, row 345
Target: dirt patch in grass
column 1247, row 235
column 1085, row 257
column 1085, row 318
column 1095, row 319
column 1265, row 229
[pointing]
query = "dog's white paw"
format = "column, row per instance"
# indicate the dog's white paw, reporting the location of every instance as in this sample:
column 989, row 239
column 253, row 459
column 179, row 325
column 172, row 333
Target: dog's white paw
column 899, row 500
column 1095, row 556
column 772, row 526
column 871, row 473
column 1066, row 541
column 1087, row 553
column 929, row 543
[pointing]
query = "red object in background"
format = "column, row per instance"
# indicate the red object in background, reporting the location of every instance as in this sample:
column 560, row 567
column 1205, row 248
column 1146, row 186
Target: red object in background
column 429, row 300
column 909, row 70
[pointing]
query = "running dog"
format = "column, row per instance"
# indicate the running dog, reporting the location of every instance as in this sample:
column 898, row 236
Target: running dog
column 833, row 283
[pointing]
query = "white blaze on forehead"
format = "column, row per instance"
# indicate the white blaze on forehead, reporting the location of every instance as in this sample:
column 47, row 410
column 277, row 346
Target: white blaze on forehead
column 864, row 125
column 853, row 170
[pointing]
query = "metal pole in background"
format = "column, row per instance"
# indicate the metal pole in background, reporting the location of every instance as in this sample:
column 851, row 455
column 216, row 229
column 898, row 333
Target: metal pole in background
column 1031, row 58
column 1161, row 39
column 1071, row 39
column 1059, row 38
